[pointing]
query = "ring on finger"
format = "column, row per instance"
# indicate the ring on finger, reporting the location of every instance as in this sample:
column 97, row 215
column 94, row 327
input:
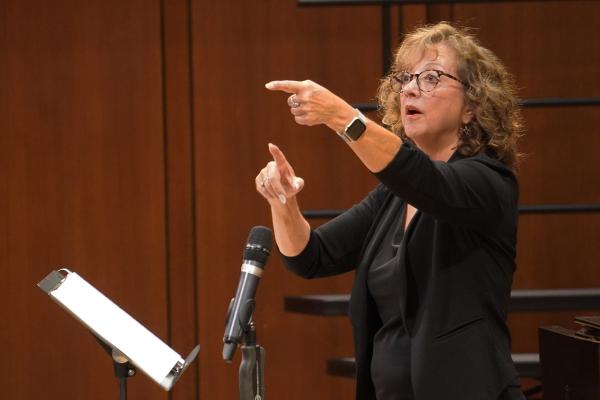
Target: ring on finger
column 293, row 102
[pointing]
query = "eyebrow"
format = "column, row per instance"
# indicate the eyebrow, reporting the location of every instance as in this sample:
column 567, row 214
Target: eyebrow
column 426, row 66
column 430, row 64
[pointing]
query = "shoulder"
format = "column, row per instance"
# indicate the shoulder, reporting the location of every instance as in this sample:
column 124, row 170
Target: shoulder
column 484, row 163
column 489, row 171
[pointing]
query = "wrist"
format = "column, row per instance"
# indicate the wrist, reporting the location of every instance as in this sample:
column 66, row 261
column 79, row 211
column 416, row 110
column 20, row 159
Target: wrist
column 286, row 209
column 354, row 129
column 341, row 119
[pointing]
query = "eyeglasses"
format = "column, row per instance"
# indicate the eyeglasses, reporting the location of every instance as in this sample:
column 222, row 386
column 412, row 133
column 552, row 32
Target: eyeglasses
column 426, row 80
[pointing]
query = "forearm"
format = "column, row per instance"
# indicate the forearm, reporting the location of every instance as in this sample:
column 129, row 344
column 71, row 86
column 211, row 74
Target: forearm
column 376, row 147
column 292, row 231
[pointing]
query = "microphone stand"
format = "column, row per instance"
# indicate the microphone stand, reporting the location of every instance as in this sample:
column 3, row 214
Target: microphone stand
column 121, row 365
column 251, row 378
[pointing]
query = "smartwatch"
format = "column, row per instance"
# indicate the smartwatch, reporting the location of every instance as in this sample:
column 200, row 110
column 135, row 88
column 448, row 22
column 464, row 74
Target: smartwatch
column 354, row 129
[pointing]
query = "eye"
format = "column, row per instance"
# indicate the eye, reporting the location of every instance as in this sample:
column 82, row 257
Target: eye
column 404, row 78
column 430, row 77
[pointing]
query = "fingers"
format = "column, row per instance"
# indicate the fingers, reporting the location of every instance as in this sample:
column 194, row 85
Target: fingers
column 285, row 86
column 297, row 111
column 278, row 156
column 312, row 104
column 268, row 184
column 264, row 182
column 298, row 184
column 304, row 120
column 292, row 101
column 285, row 168
column 276, row 189
column 302, row 115
column 277, row 182
column 272, row 183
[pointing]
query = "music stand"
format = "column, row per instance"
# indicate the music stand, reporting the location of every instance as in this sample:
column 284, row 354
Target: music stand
column 129, row 343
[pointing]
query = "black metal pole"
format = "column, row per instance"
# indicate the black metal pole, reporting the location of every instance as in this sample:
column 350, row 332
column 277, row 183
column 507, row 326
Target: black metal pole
column 386, row 46
column 123, row 371
column 121, row 366
column 251, row 374
column 122, row 388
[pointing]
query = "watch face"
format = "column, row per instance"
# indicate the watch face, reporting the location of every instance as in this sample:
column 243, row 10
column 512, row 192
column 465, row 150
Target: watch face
column 356, row 129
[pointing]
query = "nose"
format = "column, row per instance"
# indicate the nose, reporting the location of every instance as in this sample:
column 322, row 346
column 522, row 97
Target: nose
column 412, row 88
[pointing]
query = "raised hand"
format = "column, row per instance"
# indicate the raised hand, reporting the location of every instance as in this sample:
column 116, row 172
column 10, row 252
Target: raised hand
column 312, row 104
column 277, row 181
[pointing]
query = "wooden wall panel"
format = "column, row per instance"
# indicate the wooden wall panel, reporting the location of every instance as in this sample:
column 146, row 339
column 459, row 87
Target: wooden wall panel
column 412, row 16
column 549, row 48
column 547, row 45
column 558, row 251
column 238, row 47
column 560, row 164
column 82, row 185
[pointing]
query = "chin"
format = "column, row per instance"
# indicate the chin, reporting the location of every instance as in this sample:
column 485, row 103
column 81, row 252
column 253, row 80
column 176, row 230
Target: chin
column 417, row 137
column 413, row 134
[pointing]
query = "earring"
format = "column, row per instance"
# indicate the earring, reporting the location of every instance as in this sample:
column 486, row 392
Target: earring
column 466, row 130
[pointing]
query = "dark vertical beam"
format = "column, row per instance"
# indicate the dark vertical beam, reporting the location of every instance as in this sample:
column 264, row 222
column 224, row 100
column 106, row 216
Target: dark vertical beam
column 399, row 31
column 192, row 122
column 386, row 46
column 163, row 77
column 180, row 203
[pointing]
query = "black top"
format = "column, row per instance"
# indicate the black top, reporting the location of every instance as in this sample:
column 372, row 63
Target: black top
column 390, row 366
column 462, row 244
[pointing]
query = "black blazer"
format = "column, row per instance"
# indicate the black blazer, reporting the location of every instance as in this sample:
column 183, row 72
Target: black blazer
column 464, row 238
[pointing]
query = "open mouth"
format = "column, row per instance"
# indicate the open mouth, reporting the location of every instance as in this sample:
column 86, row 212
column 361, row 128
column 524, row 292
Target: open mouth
column 412, row 110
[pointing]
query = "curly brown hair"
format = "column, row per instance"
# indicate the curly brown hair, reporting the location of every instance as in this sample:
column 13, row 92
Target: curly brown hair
column 490, row 92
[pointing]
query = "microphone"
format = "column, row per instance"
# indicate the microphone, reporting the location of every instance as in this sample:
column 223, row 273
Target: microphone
column 241, row 307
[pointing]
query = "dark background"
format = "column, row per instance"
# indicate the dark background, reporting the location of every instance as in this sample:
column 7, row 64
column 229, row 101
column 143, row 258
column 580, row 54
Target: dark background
column 130, row 135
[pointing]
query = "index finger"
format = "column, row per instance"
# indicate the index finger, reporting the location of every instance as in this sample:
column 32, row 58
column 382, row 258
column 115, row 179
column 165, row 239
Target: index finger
column 277, row 154
column 285, row 86
column 280, row 159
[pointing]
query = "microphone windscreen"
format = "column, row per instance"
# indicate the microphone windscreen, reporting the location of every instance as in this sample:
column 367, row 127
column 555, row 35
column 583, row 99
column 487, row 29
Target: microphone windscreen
column 259, row 244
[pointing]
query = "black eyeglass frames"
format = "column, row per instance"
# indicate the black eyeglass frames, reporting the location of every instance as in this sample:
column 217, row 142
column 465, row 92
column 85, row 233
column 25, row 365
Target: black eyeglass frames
column 426, row 80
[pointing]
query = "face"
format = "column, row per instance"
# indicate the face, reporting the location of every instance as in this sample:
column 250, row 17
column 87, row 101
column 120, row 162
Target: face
column 434, row 118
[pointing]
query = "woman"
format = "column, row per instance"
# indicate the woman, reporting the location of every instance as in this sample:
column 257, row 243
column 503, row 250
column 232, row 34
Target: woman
column 434, row 244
